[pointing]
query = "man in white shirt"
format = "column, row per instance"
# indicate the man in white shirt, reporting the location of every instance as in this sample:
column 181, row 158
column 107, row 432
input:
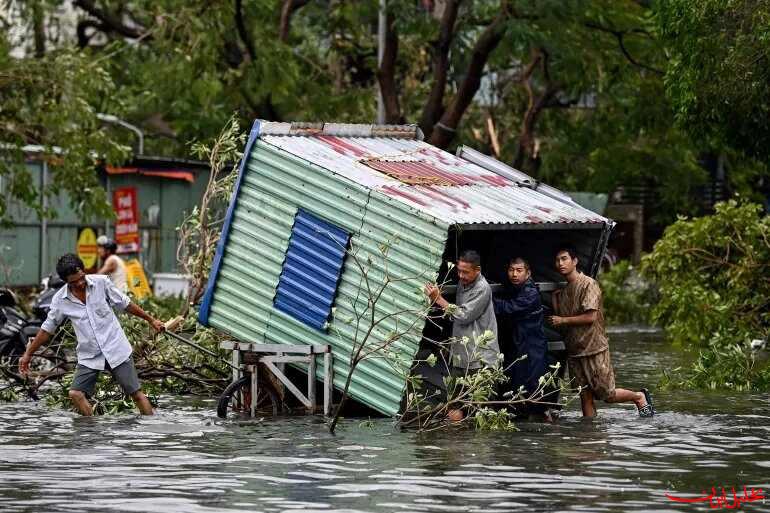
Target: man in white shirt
column 88, row 302
column 112, row 265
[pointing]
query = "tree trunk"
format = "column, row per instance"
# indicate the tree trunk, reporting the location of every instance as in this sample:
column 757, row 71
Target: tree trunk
column 444, row 130
column 434, row 106
column 527, row 155
column 386, row 74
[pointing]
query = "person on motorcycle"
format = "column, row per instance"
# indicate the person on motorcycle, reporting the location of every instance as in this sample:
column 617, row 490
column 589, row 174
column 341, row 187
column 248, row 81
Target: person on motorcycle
column 112, row 265
column 88, row 302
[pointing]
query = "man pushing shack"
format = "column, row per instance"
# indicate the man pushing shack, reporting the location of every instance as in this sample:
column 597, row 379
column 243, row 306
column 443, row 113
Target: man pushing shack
column 88, row 302
column 578, row 309
column 474, row 327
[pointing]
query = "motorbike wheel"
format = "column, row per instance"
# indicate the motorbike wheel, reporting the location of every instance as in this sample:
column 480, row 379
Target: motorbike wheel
column 236, row 399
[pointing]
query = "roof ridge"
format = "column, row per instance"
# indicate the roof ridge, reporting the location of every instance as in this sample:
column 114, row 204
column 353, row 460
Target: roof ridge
column 306, row 129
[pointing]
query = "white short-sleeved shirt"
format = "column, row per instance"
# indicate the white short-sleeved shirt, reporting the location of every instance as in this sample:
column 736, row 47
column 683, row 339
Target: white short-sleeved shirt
column 99, row 334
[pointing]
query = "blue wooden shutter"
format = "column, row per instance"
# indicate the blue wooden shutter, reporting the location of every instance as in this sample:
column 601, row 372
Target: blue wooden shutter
column 311, row 270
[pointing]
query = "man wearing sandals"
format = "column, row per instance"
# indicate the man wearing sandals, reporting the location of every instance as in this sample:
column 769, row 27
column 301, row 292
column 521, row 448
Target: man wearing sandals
column 579, row 315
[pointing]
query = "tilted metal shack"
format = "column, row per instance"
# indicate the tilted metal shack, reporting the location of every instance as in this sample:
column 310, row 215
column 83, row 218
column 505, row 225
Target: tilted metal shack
column 307, row 191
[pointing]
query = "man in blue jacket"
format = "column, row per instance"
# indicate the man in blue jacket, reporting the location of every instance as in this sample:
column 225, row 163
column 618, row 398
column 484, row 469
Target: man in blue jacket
column 521, row 302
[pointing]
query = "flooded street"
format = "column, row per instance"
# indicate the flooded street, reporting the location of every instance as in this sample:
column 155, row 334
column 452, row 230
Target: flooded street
column 185, row 460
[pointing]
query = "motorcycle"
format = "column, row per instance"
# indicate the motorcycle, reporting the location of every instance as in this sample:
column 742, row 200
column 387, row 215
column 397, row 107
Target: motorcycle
column 17, row 329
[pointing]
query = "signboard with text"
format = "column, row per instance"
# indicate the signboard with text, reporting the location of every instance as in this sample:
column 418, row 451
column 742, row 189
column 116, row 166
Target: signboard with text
column 127, row 225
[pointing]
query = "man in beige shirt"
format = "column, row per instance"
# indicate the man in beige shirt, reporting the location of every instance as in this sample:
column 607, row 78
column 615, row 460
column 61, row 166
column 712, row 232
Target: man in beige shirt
column 579, row 315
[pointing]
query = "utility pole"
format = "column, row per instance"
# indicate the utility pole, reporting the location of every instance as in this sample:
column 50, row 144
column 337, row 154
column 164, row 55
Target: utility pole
column 381, row 29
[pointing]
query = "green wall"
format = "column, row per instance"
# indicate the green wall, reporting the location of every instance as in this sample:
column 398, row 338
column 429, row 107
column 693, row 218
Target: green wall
column 20, row 246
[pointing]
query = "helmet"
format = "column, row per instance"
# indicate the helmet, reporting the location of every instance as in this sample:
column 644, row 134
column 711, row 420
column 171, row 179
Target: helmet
column 107, row 243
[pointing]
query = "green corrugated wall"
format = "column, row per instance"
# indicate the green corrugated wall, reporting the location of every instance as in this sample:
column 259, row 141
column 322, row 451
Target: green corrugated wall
column 275, row 185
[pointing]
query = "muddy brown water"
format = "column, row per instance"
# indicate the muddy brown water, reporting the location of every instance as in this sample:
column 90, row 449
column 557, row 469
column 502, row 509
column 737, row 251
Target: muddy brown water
column 186, row 460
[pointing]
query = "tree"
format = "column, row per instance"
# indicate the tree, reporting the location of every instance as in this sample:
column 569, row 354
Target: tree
column 718, row 73
column 50, row 101
column 571, row 92
column 713, row 274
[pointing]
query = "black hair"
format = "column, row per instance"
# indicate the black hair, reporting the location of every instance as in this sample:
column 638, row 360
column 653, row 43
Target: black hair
column 68, row 265
column 570, row 249
column 519, row 260
column 471, row 256
column 110, row 246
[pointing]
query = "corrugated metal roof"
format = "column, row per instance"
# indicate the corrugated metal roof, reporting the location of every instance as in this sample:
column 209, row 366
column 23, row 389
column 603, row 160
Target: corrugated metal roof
column 438, row 183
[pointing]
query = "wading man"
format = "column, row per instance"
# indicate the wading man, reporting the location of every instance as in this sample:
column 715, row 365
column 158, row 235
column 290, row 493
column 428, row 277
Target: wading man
column 579, row 316
column 520, row 302
column 473, row 315
column 88, row 302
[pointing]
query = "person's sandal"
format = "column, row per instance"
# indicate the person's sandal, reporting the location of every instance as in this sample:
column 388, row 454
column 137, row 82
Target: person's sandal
column 648, row 410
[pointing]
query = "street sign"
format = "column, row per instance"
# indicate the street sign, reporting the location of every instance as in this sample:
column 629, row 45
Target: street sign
column 86, row 247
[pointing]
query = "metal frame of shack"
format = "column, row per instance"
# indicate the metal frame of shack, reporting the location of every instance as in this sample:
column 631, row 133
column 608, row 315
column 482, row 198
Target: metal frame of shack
column 307, row 191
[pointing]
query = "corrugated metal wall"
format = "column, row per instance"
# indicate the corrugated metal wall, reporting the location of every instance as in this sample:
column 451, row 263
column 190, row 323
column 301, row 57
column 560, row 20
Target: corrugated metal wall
column 311, row 271
column 275, row 184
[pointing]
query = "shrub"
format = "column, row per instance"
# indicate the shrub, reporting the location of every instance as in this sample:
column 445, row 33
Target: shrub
column 713, row 274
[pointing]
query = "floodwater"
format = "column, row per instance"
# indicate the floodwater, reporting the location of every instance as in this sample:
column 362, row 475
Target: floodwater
column 185, row 460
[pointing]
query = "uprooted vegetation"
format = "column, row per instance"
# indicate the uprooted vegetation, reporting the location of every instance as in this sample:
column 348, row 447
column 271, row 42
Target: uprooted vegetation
column 163, row 364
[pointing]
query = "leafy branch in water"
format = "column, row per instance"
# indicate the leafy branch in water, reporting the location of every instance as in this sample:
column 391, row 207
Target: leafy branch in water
column 163, row 366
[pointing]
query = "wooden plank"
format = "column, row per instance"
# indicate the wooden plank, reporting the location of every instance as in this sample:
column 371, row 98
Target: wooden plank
column 311, row 385
column 266, row 348
column 289, row 385
column 236, row 361
column 285, row 359
column 275, row 348
column 328, row 390
column 254, row 390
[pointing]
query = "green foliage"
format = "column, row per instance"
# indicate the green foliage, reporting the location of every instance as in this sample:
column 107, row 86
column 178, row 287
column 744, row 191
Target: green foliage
column 628, row 298
column 713, row 274
column 488, row 419
column 52, row 102
column 733, row 367
column 718, row 75
column 182, row 68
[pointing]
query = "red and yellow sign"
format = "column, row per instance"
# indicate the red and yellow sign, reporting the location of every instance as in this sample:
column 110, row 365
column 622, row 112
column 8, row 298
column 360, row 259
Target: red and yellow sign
column 86, row 247
column 127, row 224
